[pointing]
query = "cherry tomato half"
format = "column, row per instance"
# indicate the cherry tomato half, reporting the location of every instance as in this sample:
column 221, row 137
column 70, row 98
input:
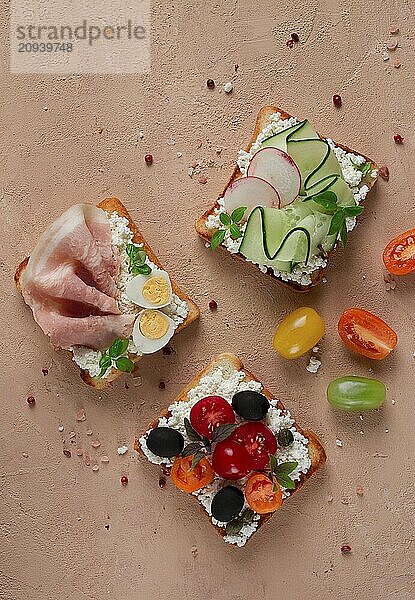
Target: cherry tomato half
column 258, row 440
column 298, row 332
column 399, row 254
column 262, row 494
column 230, row 460
column 366, row 334
column 188, row 479
column 210, row 412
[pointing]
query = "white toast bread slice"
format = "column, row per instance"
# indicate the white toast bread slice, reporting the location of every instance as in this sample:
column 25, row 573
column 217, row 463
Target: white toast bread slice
column 263, row 119
column 110, row 205
column 230, row 363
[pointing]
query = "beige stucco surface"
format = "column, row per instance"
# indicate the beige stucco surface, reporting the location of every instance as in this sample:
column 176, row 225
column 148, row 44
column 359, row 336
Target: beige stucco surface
column 86, row 146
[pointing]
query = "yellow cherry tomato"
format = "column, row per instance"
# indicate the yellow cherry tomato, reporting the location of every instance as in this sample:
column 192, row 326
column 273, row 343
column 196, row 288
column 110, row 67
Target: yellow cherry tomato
column 298, row 332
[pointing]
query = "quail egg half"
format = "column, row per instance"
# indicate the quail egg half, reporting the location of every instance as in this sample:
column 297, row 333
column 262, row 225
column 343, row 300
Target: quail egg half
column 152, row 331
column 150, row 291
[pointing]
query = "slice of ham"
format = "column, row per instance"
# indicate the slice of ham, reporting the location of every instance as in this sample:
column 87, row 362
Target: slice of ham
column 69, row 281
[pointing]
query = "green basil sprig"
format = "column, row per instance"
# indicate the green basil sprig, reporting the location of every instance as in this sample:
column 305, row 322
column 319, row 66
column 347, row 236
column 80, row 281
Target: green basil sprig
column 137, row 260
column 230, row 224
column 235, row 526
column 281, row 472
column 328, row 202
column 201, row 445
column 113, row 357
column 365, row 167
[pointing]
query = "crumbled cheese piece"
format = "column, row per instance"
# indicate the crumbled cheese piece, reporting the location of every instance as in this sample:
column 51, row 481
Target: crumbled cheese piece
column 122, row 450
column 314, row 365
column 87, row 359
column 339, row 443
column 228, row 87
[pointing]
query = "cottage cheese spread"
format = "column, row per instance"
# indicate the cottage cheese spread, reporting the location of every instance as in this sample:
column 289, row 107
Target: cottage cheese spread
column 121, row 235
column 348, row 161
column 225, row 384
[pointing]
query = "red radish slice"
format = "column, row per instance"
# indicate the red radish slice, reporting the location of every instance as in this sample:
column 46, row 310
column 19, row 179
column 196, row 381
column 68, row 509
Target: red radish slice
column 250, row 192
column 279, row 169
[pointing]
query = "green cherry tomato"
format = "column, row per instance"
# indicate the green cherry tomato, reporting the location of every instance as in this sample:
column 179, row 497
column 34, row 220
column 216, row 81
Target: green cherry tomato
column 298, row 332
column 356, row 393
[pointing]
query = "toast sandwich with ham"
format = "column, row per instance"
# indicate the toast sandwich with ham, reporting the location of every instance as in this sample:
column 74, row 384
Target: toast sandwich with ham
column 97, row 290
column 290, row 201
column 225, row 415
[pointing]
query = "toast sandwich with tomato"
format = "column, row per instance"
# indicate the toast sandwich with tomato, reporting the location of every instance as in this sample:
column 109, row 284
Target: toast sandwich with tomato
column 230, row 444
column 290, row 201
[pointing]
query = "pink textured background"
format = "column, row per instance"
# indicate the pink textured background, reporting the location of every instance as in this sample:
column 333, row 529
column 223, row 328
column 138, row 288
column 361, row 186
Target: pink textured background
column 85, row 147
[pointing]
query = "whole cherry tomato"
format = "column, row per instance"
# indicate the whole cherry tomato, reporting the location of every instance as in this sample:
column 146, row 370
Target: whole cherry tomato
column 258, row 440
column 356, row 393
column 230, row 460
column 399, row 254
column 262, row 494
column 366, row 334
column 190, row 479
column 298, row 332
column 210, row 412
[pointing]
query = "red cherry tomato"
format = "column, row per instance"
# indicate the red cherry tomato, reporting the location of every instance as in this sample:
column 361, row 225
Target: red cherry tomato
column 258, row 441
column 209, row 413
column 230, row 460
column 366, row 334
column 399, row 254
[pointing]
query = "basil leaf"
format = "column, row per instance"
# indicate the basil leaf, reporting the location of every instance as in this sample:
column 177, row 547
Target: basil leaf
column 102, row 372
column 118, row 347
column 191, row 433
column 353, row 211
column 285, row 481
column 238, row 214
column 135, row 254
column 234, row 527
column 105, row 361
column 336, row 222
column 124, row 364
column 223, row 431
column 217, row 239
column 197, row 458
column 225, row 219
column 140, row 269
column 272, row 462
column 364, row 167
column 327, row 200
column 286, row 468
column 191, row 449
column 247, row 516
column 343, row 233
column 235, row 231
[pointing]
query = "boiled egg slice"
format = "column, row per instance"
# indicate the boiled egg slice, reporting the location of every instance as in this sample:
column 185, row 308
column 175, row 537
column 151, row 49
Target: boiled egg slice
column 150, row 291
column 152, row 331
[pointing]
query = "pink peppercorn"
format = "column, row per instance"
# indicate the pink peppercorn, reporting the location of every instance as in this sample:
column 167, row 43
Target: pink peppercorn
column 290, row 43
column 149, row 159
column 345, row 549
column 124, row 480
column 162, row 385
column 398, row 138
column 31, row 400
column 337, row 100
column 213, row 305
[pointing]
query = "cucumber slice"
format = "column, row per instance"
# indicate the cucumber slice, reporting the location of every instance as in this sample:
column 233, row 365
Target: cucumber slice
column 304, row 132
column 315, row 159
column 334, row 184
column 296, row 245
column 279, row 140
column 265, row 230
column 297, row 211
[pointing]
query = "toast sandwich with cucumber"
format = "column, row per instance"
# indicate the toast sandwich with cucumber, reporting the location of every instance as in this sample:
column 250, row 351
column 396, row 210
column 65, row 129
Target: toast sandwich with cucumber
column 291, row 200
column 233, row 447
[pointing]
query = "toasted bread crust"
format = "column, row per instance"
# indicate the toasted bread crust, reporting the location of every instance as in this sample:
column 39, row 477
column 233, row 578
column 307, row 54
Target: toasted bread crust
column 200, row 224
column 232, row 362
column 110, row 205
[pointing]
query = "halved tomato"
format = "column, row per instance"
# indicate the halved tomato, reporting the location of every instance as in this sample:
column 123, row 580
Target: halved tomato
column 190, row 479
column 262, row 494
column 399, row 254
column 209, row 413
column 258, row 440
column 366, row 334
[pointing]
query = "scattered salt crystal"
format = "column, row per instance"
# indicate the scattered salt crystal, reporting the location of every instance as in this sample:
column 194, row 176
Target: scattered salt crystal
column 122, row 450
column 89, row 432
column 60, row 427
column 392, row 45
column 316, row 349
column 393, row 402
column 345, row 500
column 72, row 434
column 95, row 468
column 314, row 365
column 140, row 135
column 87, row 459
column 385, row 56
column 324, row 280
column 25, row 455
column 81, row 415
column 362, row 432
column 330, row 499
column 339, row 443
column 202, row 179
column 228, row 87
column 179, row 154
column 105, row 459
column 394, row 29
column 359, row 490
column 96, row 444
column 386, row 430
column 79, row 452
column 194, row 551
column 397, row 63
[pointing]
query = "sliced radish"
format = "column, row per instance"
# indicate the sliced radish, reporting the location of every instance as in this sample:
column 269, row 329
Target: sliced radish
column 279, row 169
column 250, row 192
